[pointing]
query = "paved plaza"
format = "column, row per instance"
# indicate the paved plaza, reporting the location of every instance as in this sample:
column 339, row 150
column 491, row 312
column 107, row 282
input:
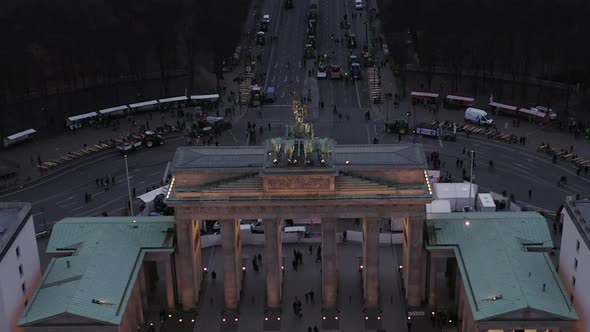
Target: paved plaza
column 308, row 278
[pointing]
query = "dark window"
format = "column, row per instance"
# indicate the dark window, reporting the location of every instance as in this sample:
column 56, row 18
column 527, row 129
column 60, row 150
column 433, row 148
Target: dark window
column 20, row 270
column 17, row 252
column 24, row 287
column 577, row 245
column 575, row 264
column 572, row 298
column 574, row 281
column 26, row 302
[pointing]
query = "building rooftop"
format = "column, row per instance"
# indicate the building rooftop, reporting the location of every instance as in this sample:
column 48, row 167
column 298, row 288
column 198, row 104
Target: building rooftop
column 13, row 216
column 345, row 156
column 95, row 282
column 503, row 260
column 579, row 211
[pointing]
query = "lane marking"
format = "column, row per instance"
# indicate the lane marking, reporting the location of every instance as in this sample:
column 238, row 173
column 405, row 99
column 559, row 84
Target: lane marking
column 358, row 97
column 64, row 200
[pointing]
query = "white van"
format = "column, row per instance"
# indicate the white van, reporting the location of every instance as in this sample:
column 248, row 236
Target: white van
column 358, row 4
column 475, row 115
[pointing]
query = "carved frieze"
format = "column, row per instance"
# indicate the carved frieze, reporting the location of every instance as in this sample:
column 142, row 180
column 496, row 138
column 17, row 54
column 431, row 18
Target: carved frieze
column 298, row 183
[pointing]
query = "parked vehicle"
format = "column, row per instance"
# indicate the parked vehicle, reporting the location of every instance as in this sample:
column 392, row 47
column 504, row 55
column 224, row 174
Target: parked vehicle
column 476, row 115
column 260, row 39
column 265, row 23
column 436, row 129
column 427, row 98
column 148, row 139
column 351, row 41
column 335, row 72
column 396, row 127
column 269, row 95
column 546, row 110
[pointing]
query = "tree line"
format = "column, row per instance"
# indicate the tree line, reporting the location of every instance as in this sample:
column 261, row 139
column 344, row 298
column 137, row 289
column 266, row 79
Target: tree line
column 526, row 38
column 85, row 43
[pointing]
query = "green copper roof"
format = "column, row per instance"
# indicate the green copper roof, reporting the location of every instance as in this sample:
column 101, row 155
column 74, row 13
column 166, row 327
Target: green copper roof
column 345, row 157
column 106, row 257
column 492, row 255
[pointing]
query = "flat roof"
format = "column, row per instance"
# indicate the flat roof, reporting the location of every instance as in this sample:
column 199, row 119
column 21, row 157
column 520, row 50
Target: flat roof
column 113, row 109
column 345, row 156
column 83, row 116
column 107, row 254
column 143, row 103
column 579, row 211
column 503, row 106
column 501, row 275
column 13, row 216
column 21, row 134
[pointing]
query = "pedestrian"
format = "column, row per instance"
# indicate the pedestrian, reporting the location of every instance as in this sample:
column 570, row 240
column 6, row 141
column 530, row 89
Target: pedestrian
column 309, row 329
column 213, row 275
column 269, row 126
column 294, row 264
column 260, row 259
column 463, row 150
column 530, row 193
column 311, row 296
column 97, row 181
column 113, row 180
column 399, row 137
column 306, row 297
column 134, row 192
column 315, row 328
column 310, row 249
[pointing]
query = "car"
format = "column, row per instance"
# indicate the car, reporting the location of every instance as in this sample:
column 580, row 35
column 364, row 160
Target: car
column 322, row 71
column 358, row 4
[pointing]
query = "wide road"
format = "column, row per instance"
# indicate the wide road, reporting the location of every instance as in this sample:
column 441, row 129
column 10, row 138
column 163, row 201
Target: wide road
column 516, row 170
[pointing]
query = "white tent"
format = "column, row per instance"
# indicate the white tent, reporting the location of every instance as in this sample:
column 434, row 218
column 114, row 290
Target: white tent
column 456, row 193
column 439, row 206
column 151, row 195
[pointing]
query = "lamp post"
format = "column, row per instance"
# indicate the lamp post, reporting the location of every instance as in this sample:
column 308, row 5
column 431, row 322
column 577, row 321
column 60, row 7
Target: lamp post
column 472, row 154
column 128, row 186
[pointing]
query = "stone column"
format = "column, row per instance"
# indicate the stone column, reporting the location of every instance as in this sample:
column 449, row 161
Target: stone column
column 143, row 286
column 167, row 266
column 329, row 263
column 432, row 283
column 273, row 262
column 232, row 262
column 188, row 257
column 414, row 260
column 371, row 261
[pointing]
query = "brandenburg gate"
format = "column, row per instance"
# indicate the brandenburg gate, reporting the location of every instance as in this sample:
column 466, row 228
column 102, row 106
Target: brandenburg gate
column 299, row 176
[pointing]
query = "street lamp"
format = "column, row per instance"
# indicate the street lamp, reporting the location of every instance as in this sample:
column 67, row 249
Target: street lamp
column 128, row 186
column 472, row 154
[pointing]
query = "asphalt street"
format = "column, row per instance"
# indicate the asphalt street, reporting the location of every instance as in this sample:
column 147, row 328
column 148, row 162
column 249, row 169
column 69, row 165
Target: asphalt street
column 517, row 169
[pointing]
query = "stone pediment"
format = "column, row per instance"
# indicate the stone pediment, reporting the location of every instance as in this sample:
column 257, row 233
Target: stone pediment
column 526, row 314
column 67, row 319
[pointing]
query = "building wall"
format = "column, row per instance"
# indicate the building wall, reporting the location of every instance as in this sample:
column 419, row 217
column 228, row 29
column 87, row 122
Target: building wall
column 567, row 271
column 12, row 297
column 72, row 329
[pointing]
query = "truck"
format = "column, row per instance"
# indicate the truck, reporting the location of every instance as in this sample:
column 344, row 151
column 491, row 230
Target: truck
column 209, row 125
column 313, row 8
column 354, row 66
column 148, row 139
column 265, row 23
column 435, row 129
column 323, row 66
column 396, row 127
column 351, row 40
column 335, row 72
